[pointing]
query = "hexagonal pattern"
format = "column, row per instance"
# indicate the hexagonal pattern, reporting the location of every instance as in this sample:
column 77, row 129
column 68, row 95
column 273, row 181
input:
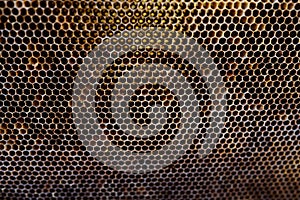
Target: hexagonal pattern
column 255, row 46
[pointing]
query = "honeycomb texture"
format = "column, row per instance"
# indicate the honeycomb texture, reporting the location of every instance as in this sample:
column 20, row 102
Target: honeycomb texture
column 255, row 46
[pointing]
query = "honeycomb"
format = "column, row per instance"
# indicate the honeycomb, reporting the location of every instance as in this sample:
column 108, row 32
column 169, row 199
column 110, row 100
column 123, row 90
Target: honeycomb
column 255, row 48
